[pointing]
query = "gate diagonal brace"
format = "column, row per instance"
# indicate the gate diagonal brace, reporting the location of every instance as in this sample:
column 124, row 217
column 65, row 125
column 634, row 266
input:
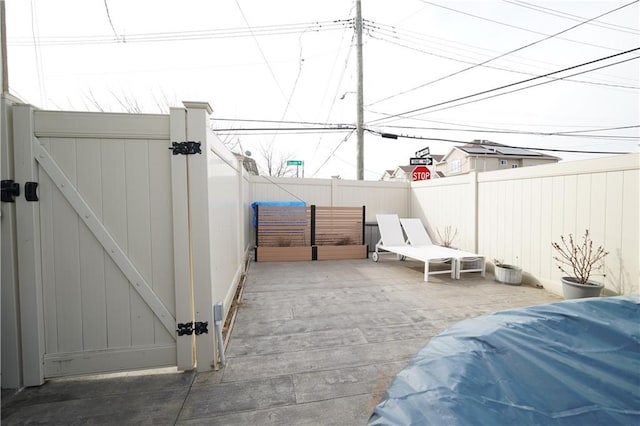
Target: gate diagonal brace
column 185, row 148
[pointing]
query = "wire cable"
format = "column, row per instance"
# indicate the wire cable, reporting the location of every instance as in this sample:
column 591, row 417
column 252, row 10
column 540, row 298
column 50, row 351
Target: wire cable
column 266, row 61
column 404, row 114
column 514, row 26
column 516, row 49
column 593, row 83
column 222, row 33
column 375, row 132
column 333, row 152
column 571, row 17
column 38, row 53
column 538, row 84
column 106, row 7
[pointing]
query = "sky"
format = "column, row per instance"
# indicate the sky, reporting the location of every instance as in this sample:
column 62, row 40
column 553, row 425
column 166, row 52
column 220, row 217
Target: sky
column 280, row 75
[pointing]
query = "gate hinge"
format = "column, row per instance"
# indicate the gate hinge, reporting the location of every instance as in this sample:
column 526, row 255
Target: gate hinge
column 188, row 328
column 185, row 148
column 9, row 190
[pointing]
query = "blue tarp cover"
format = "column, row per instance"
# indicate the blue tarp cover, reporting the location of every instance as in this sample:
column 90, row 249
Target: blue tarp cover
column 273, row 203
column 569, row 363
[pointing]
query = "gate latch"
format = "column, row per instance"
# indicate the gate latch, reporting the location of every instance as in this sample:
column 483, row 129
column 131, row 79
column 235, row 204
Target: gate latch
column 9, row 190
column 185, row 148
column 188, row 328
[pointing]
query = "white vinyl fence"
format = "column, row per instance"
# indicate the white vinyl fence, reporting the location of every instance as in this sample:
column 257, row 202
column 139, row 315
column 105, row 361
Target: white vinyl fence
column 515, row 215
column 125, row 242
column 378, row 197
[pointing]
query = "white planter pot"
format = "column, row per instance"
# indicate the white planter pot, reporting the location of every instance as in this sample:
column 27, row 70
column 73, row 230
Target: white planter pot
column 574, row 290
column 508, row 274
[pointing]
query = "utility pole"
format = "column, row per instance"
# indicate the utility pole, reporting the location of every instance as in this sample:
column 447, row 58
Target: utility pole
column 3, row 48
column 360, row 100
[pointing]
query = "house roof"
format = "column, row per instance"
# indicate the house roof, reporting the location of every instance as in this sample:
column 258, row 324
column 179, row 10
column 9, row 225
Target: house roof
column 489, row 148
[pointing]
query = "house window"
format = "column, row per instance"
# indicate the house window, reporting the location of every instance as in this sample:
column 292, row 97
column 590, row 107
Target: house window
column 454, row 166
column 514, row 166
column 503, row 162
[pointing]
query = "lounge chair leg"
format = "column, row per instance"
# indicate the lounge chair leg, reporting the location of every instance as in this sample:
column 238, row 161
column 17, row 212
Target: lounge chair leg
column 426, row 271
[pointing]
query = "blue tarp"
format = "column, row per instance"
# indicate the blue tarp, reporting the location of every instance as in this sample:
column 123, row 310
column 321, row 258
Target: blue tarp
column 569, row 363
column 273, row 203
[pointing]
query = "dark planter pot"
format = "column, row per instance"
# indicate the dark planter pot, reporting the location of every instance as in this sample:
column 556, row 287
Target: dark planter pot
column 508, row 274
column 574, row 290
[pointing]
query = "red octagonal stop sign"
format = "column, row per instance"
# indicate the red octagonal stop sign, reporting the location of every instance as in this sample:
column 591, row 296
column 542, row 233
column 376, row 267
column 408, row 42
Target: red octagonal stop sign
column 420, row 173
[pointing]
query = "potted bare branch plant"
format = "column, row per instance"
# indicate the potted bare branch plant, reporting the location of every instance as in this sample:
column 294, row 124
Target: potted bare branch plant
column 577, row 259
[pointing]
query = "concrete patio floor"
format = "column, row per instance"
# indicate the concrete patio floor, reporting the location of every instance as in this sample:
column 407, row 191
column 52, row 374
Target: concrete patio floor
column 314, row 343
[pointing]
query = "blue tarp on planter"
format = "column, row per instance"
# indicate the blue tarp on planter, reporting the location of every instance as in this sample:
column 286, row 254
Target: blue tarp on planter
column 569, row 363
column 273, row 203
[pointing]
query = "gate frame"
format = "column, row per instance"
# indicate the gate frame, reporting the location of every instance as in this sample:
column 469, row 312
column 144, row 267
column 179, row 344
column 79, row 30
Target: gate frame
column 27, row 156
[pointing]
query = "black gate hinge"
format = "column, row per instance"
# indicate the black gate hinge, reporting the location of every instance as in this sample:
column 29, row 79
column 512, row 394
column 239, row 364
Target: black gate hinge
column 9, row 190
column 188, row 328
column 185, row 148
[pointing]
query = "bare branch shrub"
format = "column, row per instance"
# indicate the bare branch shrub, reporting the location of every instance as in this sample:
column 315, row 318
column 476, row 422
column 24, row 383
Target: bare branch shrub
column 578, row 257
column 448, row 235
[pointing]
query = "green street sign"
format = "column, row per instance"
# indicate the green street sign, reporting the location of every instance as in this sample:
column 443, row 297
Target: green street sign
column 294, row 162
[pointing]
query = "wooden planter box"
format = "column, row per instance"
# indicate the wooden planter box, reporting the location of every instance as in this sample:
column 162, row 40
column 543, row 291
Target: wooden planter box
column 283, row 254
column 342, row 252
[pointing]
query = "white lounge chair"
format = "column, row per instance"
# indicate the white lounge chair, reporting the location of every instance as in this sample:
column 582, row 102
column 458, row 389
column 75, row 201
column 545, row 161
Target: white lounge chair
column 417, row 236
column 392, row 240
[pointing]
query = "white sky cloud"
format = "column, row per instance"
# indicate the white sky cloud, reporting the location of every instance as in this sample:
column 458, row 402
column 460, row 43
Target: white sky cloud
column 406, row 43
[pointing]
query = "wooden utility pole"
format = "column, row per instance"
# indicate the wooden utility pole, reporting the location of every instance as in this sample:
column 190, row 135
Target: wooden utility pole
column 3, row 48
column 360, row 100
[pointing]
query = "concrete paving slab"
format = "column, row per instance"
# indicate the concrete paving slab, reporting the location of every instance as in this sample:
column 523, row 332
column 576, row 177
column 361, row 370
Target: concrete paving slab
column 148, row 408
column 314, row 343
column 333, row 412
column 265, row 345
column 342, row 382
column 244, row 328
column 247, row 367
column 205, row 401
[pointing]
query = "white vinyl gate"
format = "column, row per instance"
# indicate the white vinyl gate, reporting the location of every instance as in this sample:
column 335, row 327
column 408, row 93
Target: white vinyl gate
column 104, row 253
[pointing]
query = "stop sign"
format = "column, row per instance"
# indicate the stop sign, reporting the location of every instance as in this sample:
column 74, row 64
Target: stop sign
column 420, row 173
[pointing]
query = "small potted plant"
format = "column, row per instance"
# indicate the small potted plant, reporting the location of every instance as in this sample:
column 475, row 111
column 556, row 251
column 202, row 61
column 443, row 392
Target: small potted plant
column 577, row 260
column 505, row 273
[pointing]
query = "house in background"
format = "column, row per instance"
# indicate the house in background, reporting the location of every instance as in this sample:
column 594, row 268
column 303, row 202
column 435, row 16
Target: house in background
column 403, row 173
column 484, row 156
column 248, row 163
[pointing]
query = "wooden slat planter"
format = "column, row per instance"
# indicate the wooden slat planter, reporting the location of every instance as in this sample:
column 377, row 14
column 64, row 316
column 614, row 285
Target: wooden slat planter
column 342, row 252
column 283, row 254
column 295, row 233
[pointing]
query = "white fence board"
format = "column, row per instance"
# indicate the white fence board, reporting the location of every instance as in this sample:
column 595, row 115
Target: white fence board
column 139, row 236
column 161, row 241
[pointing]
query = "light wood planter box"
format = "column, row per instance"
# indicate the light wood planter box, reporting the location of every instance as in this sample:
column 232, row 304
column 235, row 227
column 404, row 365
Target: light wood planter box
column 342, row 252
column 283, row 254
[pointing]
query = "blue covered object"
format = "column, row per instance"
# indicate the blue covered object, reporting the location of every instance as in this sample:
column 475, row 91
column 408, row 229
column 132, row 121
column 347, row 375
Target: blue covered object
column 569, row 363
column 273, row 203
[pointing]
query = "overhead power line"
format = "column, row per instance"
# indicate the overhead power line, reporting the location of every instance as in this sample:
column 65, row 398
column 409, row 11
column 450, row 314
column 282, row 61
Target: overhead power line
column 515, row 50
column 589, row 129
column 571, row 17
column 106, row 7
column 378, row 133
column 515, row 26
column 406, row 113
column 384, row 39
column 221, row 33
column 568, row 133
